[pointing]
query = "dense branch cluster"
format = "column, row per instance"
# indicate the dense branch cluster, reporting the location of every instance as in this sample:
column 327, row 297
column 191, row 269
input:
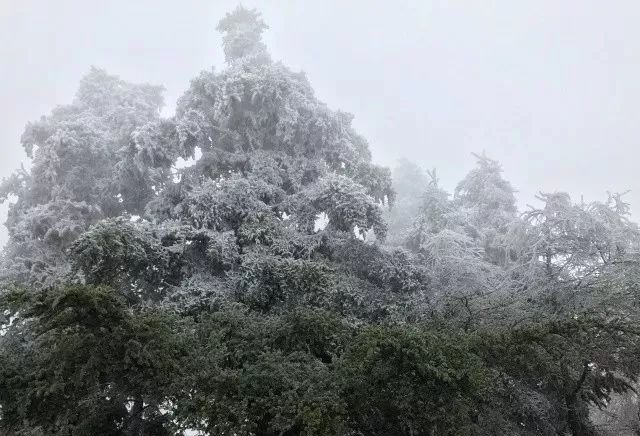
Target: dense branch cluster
column 284, row 284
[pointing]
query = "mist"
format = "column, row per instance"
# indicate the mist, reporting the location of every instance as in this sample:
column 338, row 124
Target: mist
column 319, row 218
column 549, row 89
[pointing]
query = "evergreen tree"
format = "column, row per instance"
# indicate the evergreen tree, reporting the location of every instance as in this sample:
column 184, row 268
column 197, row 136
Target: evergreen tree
column 240, row 295
column 88, row 164
column 409, row 184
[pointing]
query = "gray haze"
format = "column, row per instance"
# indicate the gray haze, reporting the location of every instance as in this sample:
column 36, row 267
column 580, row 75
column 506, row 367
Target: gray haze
column 549, row 88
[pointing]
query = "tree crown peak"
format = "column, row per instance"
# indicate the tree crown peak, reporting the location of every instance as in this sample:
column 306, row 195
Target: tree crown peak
column 242, row 35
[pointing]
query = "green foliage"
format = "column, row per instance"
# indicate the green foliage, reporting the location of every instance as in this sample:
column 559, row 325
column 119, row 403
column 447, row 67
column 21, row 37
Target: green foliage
column 308, row 372
column 404, row 381
column 571, row 363
column 266, row 375
column 89, row 357
column 117, row 253
column 266, row 282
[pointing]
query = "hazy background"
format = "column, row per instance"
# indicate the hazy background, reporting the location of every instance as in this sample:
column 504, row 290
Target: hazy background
column 549, row 88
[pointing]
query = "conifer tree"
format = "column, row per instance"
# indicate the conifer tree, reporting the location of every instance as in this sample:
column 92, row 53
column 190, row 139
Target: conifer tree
column 239, row 295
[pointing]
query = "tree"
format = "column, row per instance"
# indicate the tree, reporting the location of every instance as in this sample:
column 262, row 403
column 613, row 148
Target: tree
column 581, row 255
column 266, row 375
column 450, row 245
column 490, row 202
column 392, row 375
column 409, row 183
column 565, row 367
column 241, row 294
column 88, row 365
column 274, row 159
column 89, row 162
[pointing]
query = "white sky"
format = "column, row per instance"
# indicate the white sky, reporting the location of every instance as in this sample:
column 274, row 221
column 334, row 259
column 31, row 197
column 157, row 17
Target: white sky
column 549, row 88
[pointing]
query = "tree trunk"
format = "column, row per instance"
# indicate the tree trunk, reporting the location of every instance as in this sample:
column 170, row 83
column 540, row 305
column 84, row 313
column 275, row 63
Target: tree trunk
column 136, row 424
column 577, row 419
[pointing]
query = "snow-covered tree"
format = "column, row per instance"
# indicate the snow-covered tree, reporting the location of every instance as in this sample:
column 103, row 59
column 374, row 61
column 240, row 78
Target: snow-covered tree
column 240, row 294
column 409, row 184
column 89, row 163
column 491, row 204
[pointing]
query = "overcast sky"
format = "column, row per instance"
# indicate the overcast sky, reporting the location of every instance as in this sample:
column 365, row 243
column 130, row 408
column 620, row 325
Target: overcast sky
column 549, row 88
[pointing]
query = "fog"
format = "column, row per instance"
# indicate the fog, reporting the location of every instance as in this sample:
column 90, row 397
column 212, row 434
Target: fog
column 550, row 89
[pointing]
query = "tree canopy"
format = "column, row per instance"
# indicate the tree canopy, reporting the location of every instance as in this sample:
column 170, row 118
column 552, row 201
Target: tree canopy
column 285, row 284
